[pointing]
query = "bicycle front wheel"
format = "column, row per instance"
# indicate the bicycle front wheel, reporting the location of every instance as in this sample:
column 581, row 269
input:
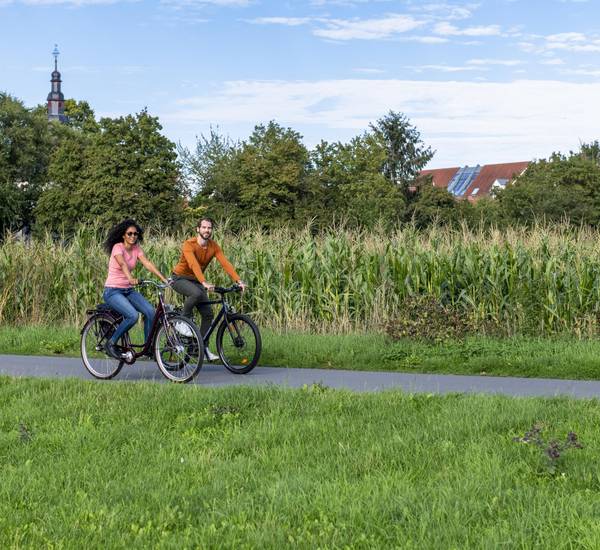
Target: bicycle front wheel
column 94, row 335
column 239, row 343
column 178, row 348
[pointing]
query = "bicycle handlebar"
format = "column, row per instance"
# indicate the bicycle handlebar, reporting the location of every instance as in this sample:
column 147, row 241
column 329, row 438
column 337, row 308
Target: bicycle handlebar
column 225, row 290
column 218, row 289
column 160, row 286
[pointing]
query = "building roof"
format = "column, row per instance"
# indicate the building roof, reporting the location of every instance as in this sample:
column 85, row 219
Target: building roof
column 491, row 173
column 481, row 179
column 441, row 176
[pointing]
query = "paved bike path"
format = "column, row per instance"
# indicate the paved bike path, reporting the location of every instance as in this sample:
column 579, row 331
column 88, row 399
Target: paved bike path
column 213, row 375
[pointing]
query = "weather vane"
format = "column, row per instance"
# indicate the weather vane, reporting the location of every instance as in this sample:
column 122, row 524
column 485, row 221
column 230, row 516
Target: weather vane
column 55, row 53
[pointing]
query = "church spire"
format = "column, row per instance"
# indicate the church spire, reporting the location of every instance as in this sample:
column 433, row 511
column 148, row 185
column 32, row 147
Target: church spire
column 56, row 99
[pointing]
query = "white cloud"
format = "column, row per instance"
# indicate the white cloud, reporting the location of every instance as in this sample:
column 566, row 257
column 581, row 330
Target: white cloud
column 572, row 41
column 446, row 11
column 367, row 29
column 584, row 72
column 368, row 70
column 287, row 21
column 503, row 62
column 78, row 3
column 452, row 30
column 567, row 41
column 553, row 61
column 192, row 3
column 354, row 29
column 444, row 68
column 467, row 122
column 426, row 39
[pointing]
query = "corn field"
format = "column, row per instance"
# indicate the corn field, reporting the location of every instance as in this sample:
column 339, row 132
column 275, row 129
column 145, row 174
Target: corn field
column 540, row 281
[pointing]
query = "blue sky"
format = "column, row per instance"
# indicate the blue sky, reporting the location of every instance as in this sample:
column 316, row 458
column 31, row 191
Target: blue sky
column 488, row 81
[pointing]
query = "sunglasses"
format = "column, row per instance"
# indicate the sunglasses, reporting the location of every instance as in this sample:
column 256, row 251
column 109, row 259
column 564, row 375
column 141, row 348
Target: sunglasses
column 132, row 233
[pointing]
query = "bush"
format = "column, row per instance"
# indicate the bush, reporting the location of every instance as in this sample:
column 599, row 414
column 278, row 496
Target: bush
column 427, row 318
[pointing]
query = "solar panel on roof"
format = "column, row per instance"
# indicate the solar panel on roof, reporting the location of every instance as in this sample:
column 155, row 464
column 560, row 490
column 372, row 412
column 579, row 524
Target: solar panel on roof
column 462, row 179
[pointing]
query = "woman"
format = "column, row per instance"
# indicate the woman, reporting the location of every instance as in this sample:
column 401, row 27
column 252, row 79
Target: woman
column 122, row 245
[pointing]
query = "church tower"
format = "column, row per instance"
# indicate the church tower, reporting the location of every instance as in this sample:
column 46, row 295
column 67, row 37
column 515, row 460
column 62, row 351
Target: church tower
column 56, row 99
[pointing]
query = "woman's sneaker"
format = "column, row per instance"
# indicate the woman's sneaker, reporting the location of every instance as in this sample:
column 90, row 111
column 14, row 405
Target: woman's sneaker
column 111, row 350
column 183, row 329
column 210, row 356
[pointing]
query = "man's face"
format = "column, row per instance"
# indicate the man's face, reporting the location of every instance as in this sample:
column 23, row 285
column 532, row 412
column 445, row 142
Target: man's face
column 205, row 229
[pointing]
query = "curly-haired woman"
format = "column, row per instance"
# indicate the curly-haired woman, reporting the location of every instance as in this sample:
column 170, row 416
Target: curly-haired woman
column 122, row 245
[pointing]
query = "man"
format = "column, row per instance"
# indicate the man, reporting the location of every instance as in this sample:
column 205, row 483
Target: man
column 188, row 275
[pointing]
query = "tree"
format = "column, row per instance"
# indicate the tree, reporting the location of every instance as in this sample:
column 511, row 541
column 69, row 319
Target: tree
column 261, row 180
column 562, row 187
column 202, row 166
column 11, row 207
column 433, row 205
column 350, row 184
column 211, row 175
column 272, row 170
column 80, row 116
column 125, row 169
column 406, row 155
column 25, row 147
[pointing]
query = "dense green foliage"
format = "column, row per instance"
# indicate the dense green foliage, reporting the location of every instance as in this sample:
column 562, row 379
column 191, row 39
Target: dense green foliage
column 562, row 187
column 121, row 168
column 151, row 465
column 25, row 143
column 272, row 178
column 54, row 176
column 519, row 281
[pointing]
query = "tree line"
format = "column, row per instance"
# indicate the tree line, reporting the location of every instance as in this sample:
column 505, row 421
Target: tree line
column 57, row 176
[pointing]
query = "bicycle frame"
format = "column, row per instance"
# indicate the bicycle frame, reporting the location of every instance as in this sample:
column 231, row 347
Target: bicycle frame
column 223, row 312
column 160, row 315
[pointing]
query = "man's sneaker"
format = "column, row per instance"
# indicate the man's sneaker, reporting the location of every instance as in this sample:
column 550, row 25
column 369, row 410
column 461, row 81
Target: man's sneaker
column 112, row 350
column 210, row 356
column 183, row 329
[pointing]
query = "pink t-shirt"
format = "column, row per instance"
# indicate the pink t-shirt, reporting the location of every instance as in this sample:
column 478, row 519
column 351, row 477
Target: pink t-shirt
column 116, row 278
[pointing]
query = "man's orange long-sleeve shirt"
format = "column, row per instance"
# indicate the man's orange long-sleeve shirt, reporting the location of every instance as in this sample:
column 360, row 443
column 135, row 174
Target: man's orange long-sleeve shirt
column 194, row 260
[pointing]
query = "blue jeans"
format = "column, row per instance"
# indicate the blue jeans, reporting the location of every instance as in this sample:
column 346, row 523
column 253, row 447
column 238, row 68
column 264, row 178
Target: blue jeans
column 128, row 303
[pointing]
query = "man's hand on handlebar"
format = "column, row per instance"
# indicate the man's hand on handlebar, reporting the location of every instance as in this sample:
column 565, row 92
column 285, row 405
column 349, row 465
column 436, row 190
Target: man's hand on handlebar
column 208, row 286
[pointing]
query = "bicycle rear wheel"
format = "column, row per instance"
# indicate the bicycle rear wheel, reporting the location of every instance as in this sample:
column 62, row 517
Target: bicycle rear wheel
column 239, row 343
column 94, row 335
column 178, row 348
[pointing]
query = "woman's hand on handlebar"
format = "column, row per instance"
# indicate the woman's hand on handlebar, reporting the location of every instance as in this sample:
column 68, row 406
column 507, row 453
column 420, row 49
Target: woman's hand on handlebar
column 134, row 281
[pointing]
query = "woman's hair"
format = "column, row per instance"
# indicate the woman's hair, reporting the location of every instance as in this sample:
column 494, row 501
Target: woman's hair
column 115, row 235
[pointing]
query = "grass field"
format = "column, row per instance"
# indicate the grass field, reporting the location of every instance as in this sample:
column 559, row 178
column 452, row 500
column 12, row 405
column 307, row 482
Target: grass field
column 566, row 358
column 146, row 465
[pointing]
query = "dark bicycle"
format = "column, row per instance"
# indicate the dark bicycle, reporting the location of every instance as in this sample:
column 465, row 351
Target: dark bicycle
column 238, row 338
column 174, row 342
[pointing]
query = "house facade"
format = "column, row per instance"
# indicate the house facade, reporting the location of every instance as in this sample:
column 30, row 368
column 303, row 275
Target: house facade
column 474, row 182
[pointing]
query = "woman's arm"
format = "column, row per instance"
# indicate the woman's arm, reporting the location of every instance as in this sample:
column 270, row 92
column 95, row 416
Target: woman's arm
column 121, row 261
column 151, row 267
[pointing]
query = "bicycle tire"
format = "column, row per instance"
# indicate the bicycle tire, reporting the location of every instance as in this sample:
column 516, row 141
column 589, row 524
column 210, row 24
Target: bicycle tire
column 96, row 331
column 239, row 344
column 179, row 355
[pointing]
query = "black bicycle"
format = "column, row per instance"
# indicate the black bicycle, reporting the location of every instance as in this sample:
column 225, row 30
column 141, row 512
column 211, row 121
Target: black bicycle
column 174, row 342
column 238, row 339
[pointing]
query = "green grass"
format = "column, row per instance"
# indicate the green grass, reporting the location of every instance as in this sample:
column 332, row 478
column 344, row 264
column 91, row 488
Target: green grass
column 566, row 358
column 104, row 465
